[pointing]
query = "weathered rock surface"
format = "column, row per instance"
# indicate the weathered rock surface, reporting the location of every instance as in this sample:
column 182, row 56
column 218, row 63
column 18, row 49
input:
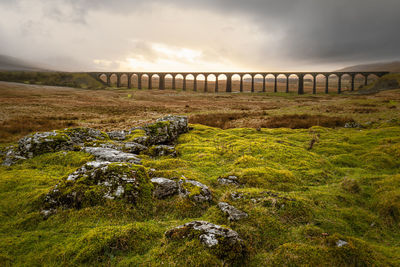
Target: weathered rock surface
column 230, row 180
column 194, row 190
column 233, row 213
column 80, row 136
column 112, row 155
column 161, row 150
column 164, row 187
column 166, row 130
column 118, row 135
column 40, row 143
column 97, row 181
column 133, row 147
column 12, row 156
column 224, row 242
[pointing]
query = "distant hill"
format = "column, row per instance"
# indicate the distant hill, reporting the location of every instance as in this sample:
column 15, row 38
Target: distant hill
column 8, row 63
column 384, row 66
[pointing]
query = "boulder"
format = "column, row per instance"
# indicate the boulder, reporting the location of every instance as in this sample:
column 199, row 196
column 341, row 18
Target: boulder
column 112, row 155
column 98, row 181
column 161, row 150
column 230, row 180
column 233, row 213
column 166, row 130
column 11, row 157
column 164, row 187
column 224, row 242
column 40, row 143
column 194, row 190
column 80, row 136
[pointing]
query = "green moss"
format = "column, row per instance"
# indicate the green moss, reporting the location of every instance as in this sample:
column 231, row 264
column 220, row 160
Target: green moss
column 135, row 134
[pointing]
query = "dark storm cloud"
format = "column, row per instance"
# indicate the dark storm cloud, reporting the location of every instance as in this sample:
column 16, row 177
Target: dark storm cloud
column 313, row 30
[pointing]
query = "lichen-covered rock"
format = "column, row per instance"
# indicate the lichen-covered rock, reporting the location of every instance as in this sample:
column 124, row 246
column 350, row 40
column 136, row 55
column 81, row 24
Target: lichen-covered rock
column 112, row 155
column 229, row 180
column 133, row 147
column 164, row 187
column 118, row 135
column 98, row 181
column 194, row 190
column 12, row 156
column 161, row 150
column 223, row 242
column 166, row 130
column 233, row 213
column 80, row 136
column 40, row 143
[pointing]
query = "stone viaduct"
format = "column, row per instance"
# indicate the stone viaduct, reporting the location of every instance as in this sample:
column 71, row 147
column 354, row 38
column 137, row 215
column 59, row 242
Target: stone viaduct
column 228, row 75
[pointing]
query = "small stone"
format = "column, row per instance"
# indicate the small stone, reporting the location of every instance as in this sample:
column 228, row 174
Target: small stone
column 133, row 147
column 162, row 150
column 230, row 180
column 164, row 187
column 233, row 213
column 118, row 135
column 341, row 243
column 194, row 190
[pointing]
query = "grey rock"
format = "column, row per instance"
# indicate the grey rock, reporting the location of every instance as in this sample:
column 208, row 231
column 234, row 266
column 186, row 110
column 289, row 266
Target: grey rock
column 341, row 243
column 166, row 130
column 352, row 124
column 95, row 181
column 230, row 180
column 210, row 235
column 40, row 143
column 133, row 147
column 12, row 156
column 233, row 213
column 162, row 150
column 186, row 187
column 164, row 187
column 112, row 155
column 79, row 136
column 118, row 135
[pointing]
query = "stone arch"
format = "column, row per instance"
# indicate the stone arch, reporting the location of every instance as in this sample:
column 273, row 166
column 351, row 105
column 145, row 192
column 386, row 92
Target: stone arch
column 200, row 82
column 123, row 80
column 190, row 82
column 333, row 80
column 168, row 81
column 320, row 80
column 155, row 81
column 145, row 81
column 359, row 81
column 308, row 83
column 103, row 77
column 293, row 82
column 236, row 79
column 134, row 80
column 372, row 78
column 113, row 80
column 259, row 80
column 247, row 82
column 179, row 81
column 222, row 80
column 269, row 82
column 211, row 82
column 281, row 81
column 346, row 82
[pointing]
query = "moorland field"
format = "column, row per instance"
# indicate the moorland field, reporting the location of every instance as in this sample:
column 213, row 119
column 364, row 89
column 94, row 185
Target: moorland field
column 318, row 176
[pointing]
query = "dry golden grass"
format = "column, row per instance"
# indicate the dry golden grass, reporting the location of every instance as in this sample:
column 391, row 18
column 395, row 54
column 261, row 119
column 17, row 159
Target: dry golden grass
column 29, row 108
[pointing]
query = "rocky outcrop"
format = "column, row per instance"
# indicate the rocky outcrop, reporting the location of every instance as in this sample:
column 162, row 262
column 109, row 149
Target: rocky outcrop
column 161, row 150
column 98, row 181
column 233, row 213
column 194, row 190
column 166, row 130
column 164, row 187
column 112, row 155
column 224, row 242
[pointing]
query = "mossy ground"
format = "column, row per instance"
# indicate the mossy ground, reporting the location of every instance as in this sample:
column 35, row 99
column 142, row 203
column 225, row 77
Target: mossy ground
column 300, row 202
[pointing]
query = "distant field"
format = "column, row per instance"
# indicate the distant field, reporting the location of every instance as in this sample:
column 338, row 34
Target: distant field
column 28, row 108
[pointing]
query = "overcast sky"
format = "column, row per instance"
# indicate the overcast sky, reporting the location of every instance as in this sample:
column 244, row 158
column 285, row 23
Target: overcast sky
column 200, row 35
